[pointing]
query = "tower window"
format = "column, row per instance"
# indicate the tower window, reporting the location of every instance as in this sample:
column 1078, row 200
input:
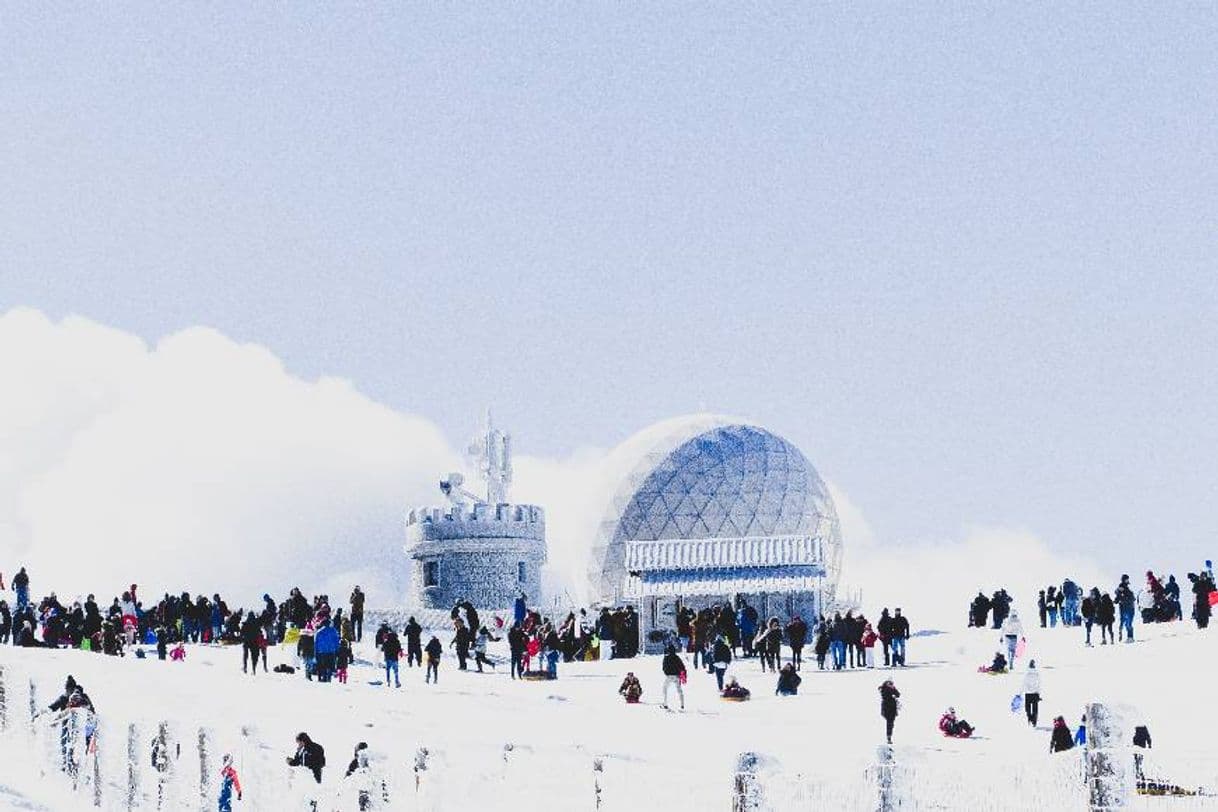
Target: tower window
column 431, row 573
column 522, row 572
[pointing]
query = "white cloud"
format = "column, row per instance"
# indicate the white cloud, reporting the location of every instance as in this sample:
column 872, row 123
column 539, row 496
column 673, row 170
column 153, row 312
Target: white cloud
column 197, row 463
column 201, row 463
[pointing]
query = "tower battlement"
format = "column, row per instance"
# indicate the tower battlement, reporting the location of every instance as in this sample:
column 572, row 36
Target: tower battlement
column 479, row 547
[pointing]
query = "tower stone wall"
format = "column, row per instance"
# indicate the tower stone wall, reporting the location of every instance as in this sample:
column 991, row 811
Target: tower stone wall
column 487, row 554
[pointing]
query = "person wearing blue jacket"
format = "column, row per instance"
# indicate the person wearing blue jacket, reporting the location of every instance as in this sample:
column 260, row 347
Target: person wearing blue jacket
column 746, row 619
column 325, row 649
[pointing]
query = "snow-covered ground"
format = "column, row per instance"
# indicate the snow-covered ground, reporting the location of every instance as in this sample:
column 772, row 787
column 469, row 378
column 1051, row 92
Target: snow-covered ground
column 493, row 743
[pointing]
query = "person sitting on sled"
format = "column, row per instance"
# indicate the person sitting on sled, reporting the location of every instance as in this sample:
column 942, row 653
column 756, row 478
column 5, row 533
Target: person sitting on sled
column 952, row 726
column 999, row 666
column 631, row 688
column 735, row 691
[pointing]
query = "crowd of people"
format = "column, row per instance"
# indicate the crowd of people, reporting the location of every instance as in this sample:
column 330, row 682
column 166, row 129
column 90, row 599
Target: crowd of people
column 1113, row 612
column 708, row 639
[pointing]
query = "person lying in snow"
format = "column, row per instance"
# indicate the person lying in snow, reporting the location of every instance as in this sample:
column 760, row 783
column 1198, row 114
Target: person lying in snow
column 954, row 727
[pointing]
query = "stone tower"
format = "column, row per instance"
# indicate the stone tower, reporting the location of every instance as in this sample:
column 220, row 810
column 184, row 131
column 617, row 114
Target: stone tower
column 479, row 548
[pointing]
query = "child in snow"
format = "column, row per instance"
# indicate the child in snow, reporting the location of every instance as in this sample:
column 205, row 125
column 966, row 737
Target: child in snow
column 788, row 681
column 1060, row 739
column 229, row 783
column 735, row 692
column 998, row 666
column 343, row 661
column 631, row 689
column 480, row 642
column 954, row 727
column 434, row 649
column 178, row 653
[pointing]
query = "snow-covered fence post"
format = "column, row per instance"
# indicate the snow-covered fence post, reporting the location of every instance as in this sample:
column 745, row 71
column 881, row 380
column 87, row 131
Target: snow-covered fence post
column 420, row 767
column 205, row 788
column 1108, row 774
column 162, row 762
column 133, row 766
column 3, row 700
column 94, row 750
column 886, row 779
column 598, row 769
column 747, row 791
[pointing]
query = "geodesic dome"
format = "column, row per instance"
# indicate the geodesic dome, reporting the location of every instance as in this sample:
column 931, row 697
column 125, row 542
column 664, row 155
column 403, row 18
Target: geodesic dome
column 712, row 478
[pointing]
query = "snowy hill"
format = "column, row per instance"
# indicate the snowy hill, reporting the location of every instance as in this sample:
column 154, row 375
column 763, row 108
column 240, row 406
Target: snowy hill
column 502, row 744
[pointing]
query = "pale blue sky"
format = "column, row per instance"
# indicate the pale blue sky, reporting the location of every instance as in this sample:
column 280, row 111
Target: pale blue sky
column 964, row 258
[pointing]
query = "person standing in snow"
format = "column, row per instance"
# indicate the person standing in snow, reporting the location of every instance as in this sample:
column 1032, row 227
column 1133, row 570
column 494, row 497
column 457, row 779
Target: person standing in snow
column 721, row 658
column 434, row 651
column 1202, row 587
column 900, row 634
column 1031, row 693
column 1090, row 605
column 1012, row 630
column 251, row 631
column 889, row 706
column 229, row 783
column 342, row 662
column 484, row 637
column 414, row 646
column 391, row 648
column 1105, row 615
column 797, row 635
column 674, row 671
column 1127, row 602
column 461, row 641
column 357, row 613
column 21, row 585
column 325, row 649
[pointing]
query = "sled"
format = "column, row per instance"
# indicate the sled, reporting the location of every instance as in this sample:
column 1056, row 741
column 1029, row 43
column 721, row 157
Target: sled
column 291, row 637
column 734, row 698
column 1214, row 598
column 537, row 676
column 968, row 735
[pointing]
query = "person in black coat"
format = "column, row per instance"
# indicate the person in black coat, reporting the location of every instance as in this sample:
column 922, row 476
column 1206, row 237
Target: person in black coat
column 434, row 651
column 1105, row 616
column 797, row 635
column 888, row 706
column 788, row 681
column 251, row 632
column 1060, row 740
column 309, row 754
column 414, row 644
column 517, row 642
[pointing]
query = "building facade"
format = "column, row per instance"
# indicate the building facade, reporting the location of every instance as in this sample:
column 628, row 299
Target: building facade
column 717, row 511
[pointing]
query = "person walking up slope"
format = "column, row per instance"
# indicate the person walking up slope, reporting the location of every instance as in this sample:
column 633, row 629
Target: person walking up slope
column 1031, row 693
